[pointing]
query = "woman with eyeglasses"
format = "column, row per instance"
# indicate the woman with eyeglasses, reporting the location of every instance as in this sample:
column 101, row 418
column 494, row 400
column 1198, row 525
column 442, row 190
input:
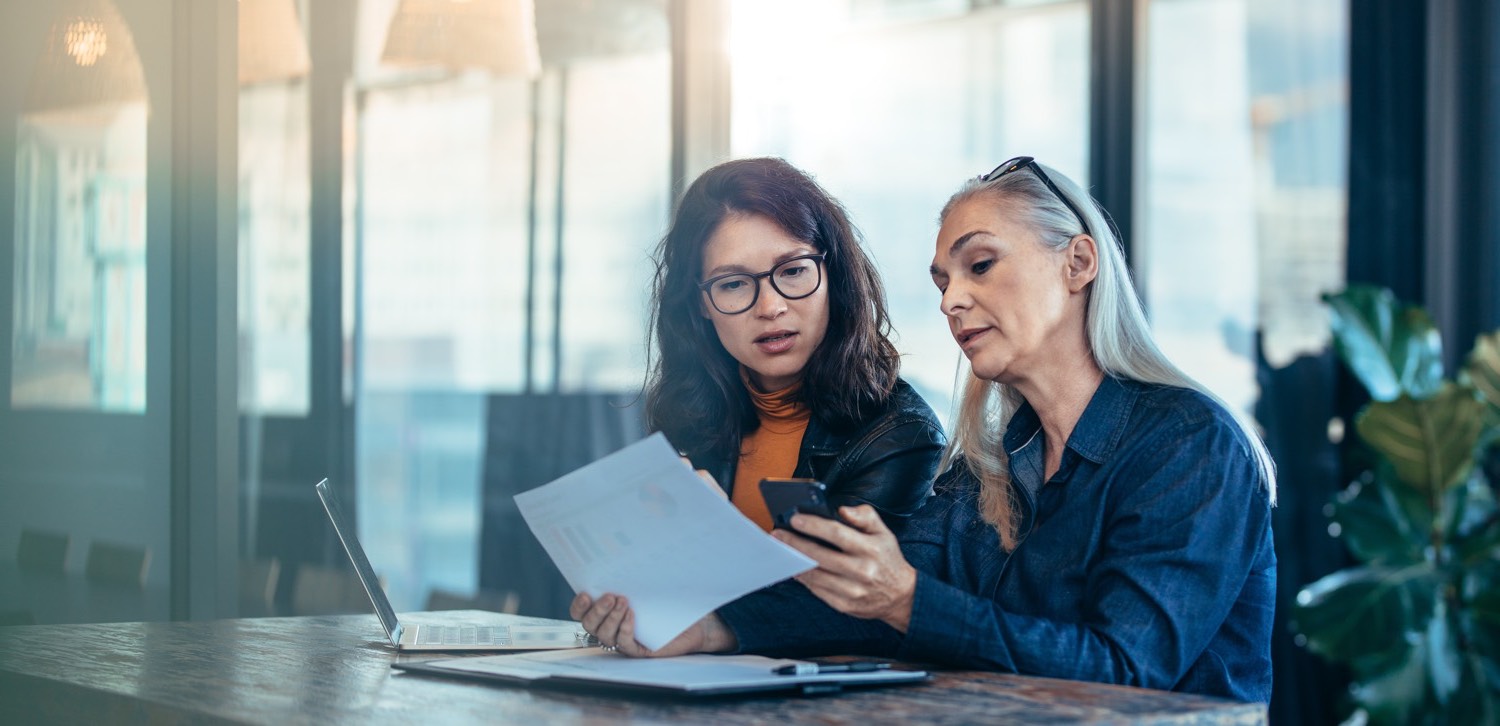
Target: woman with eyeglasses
column 772, row 356
column 1104, row 518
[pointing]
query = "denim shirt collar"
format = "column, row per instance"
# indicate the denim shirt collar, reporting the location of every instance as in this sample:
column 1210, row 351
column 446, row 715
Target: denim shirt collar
column 1098, row 430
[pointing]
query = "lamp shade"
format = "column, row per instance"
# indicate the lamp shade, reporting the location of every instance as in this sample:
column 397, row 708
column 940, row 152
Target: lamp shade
column 496, row 35
column 574, row 30
column 272, row 47
column 89, row 59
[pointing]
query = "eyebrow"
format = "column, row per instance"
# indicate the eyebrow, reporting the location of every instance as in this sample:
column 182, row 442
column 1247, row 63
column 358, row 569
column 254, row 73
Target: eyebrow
column 957, row 247
column 726, row 269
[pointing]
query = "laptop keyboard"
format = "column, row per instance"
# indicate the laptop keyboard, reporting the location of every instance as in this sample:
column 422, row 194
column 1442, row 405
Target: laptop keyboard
column 462, row 635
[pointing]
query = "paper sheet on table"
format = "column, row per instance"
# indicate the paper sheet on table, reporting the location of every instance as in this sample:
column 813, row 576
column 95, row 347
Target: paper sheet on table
column 642, row 524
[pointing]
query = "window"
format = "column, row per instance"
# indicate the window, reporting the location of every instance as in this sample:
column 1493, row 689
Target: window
column 891, row 105
column 79, row 340
column 1244, row 191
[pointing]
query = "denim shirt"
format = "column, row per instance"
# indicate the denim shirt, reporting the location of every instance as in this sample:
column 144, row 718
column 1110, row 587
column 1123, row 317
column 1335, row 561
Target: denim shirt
column 1146, row 560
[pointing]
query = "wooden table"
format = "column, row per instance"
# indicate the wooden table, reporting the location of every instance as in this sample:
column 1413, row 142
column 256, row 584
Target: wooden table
column 336, row 669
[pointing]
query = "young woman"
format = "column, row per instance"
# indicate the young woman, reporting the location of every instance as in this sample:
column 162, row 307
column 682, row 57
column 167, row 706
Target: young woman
column 772, row 357
column 1105, row 517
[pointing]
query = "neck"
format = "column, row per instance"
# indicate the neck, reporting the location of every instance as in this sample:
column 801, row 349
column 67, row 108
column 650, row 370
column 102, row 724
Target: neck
column 1059, row 393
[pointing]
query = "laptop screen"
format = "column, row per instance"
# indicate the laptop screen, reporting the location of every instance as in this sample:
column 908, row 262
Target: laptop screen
column 345, row 530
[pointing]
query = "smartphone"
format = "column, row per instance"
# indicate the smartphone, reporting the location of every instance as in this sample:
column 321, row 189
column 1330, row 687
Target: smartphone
column 786, row 497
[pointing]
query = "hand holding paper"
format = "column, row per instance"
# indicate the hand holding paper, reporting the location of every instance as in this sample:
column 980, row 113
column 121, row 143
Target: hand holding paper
column 640, row 524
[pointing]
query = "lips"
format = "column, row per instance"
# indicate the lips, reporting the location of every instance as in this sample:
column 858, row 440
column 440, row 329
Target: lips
column 776, row 341
column 967, row 335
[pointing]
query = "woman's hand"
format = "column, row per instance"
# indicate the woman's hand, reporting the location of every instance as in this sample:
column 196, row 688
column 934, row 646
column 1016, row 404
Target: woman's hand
column 869, row 578
column 612, row 622
column 705, row 476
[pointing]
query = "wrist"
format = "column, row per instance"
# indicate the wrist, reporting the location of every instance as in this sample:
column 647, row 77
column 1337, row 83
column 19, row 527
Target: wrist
column 899, row 616
column 717, row 637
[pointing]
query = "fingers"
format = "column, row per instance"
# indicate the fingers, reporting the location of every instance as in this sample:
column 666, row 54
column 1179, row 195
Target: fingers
column 579, row 606
column 604, row 617
column 712, row 482
column 627, row 642
column 837, row 534
column 863, row 518
column 609, row 627
column 836, row 590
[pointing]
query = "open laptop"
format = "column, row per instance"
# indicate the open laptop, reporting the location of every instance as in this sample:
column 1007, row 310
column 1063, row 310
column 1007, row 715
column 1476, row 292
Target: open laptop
column 528, row 634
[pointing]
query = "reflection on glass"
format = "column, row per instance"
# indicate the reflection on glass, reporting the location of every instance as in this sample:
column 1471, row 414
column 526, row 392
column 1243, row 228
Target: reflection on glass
column 505, row 229
column 619, row 115
column 274, row 296
column 80, row 265
column 1244, row 188
column 79, row 337
column 926, row 94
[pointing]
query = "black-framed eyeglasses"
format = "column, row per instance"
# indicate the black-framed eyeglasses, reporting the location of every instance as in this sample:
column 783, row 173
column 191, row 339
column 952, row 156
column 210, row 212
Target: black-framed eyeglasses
column 1027, row 162
column 793, row 278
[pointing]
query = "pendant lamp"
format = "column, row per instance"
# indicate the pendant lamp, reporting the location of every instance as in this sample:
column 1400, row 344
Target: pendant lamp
column 495, row 35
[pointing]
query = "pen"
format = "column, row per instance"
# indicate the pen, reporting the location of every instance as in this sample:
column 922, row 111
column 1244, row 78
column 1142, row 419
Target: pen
column 808, row 669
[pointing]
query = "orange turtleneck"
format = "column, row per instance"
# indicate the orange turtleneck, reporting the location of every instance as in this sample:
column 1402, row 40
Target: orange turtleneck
column 770, row 450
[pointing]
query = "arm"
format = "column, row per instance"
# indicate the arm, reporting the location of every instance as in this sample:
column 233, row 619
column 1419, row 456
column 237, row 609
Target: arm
column 789, row 620
column 1178, row 544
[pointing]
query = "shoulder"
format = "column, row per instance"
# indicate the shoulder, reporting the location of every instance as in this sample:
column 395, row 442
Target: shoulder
column 903, row 412
column 1183, row 438
column 905, row 418
column 906, row 404
column 1164, row 414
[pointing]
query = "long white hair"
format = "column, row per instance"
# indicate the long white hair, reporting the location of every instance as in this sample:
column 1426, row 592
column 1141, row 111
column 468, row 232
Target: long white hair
column 1118, row 336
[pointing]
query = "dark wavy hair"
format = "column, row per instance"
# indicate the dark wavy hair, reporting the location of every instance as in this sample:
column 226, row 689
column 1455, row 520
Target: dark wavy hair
column 694, row 393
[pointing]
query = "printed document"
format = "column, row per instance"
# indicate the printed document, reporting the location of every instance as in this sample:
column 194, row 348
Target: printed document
column 641, row 524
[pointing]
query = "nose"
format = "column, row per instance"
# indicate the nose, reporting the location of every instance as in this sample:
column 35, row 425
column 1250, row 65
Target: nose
column 955, row 299
column 769, row 304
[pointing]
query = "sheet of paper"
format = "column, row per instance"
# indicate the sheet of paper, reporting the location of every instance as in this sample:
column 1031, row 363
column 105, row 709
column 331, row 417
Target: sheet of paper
column 641, row 524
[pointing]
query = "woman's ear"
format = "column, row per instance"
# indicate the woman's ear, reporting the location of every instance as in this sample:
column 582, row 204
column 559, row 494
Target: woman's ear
column 1083, row 262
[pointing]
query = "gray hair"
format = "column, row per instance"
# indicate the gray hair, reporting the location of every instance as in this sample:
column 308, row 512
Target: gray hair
column 1118, row 336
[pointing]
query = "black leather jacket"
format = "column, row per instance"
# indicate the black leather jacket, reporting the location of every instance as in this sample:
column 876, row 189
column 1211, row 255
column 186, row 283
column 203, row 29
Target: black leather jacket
column 888, row 461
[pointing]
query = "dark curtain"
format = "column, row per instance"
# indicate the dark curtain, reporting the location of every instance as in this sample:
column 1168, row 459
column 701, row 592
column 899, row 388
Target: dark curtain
column 530, row 440
column 1295, row 407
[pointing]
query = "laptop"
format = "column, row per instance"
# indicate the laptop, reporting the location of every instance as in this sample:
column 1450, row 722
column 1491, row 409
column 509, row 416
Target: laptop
column 527, row 634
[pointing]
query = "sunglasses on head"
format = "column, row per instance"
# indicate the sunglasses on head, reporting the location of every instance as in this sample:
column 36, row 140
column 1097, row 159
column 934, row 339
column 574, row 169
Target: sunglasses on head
column 1027, row 162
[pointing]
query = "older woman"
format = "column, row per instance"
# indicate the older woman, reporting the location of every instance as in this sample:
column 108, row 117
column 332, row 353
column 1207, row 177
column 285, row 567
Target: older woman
column 1105, row 518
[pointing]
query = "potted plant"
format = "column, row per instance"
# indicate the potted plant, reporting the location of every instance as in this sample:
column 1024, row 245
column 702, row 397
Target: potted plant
column 1417, row 621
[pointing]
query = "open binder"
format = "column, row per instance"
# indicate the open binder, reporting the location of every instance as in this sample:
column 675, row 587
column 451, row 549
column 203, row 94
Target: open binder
column 688, row 675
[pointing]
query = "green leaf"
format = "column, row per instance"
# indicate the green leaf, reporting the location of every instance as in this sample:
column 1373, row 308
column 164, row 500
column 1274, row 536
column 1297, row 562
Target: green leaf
column 1365, row 612
column 1444, row 661
column 1431, row 442
column 1483, row 372
column 1475, row 701
column 1481, row 598
column 1471, row 509
column 1374, row 527
column 1396, row 695
column 1392, row 348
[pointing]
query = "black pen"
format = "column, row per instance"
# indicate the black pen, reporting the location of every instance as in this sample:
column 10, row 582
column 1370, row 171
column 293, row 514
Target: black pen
column 809, row 669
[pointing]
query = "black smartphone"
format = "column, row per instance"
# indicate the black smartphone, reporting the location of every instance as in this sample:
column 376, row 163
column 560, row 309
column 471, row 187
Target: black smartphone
column 786, row 497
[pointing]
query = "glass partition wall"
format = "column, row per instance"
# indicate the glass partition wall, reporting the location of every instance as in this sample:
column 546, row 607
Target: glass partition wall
column 437, row 258
column 113, row 254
